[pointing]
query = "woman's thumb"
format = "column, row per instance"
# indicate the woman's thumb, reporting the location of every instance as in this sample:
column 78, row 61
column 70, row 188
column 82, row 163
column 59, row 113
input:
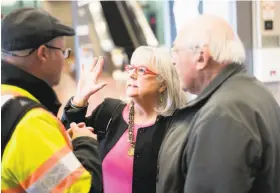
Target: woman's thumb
column 101, row 85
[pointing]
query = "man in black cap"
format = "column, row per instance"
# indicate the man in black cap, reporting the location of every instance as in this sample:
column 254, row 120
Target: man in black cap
column 37, row 153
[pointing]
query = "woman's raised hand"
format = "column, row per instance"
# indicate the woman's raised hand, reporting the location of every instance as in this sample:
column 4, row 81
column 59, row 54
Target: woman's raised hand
column 88, row 82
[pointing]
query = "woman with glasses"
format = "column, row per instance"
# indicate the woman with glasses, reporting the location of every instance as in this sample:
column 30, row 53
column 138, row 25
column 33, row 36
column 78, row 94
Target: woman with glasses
column 130, row 132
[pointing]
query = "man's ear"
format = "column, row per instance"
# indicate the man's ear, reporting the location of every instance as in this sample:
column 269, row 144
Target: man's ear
column 42, row 53
column 202, row 58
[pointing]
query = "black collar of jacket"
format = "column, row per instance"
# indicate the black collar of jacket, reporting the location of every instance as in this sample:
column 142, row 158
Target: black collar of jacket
column 15, row 76
column 226, row 73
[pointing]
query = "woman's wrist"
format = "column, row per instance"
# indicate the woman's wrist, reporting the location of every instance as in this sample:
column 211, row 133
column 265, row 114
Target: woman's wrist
column 79, row 103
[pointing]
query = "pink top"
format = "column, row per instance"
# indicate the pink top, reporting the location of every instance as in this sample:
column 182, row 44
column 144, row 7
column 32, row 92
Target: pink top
column 117, row 165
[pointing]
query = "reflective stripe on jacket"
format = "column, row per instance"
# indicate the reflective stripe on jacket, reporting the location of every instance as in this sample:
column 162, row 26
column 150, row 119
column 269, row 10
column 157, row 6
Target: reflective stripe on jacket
column 39, row 156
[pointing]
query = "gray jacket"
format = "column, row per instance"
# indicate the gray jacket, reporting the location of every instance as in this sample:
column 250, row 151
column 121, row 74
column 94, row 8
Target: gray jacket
column 225, row 141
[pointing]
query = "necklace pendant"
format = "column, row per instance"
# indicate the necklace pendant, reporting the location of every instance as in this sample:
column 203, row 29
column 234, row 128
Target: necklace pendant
column 131, row 151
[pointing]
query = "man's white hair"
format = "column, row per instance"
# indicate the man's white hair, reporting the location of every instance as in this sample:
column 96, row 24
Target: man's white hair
column 160, row 58
column 225, row 46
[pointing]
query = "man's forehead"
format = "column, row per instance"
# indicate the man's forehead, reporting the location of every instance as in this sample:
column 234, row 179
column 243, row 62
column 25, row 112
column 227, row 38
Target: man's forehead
column 175, row 43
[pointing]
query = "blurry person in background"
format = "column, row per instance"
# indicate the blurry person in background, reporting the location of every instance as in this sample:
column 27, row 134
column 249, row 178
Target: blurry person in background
column 227, row 140
column 37, row 153
column 130, row 133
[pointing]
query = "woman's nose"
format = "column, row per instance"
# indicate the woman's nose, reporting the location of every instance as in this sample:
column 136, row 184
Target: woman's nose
column 132, row 74
column 173, row 60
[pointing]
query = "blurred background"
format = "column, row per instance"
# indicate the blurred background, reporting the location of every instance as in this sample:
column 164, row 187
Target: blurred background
column 114, row 29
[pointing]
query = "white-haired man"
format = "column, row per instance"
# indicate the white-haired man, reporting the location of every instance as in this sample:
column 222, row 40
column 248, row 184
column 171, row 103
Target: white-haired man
column 227, row 140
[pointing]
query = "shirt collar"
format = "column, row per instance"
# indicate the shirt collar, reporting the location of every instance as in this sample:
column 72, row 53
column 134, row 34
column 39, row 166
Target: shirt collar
column 226, row 73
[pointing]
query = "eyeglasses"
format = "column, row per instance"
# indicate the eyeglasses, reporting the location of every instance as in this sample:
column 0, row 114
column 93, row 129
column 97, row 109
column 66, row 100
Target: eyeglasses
column 174, row 52
column 140, row 70
column 66, row 52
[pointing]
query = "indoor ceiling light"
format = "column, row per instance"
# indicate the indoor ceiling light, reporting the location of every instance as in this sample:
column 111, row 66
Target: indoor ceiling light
column 8, row 2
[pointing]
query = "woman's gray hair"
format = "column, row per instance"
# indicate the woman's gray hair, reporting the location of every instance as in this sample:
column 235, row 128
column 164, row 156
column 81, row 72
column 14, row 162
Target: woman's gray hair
column 160, row 58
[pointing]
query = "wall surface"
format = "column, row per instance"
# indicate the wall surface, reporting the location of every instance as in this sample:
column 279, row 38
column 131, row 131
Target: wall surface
column 245, row 31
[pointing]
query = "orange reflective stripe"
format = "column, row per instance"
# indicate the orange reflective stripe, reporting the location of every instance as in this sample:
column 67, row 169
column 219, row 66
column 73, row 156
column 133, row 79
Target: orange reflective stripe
column 60, row 171
column 68, row 181
column 18, row 189
column 10, row 92
column 45, row 167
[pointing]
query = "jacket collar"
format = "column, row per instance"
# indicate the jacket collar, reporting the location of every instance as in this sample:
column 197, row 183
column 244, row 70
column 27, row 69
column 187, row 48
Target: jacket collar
column 15, row 76
column 226, row 73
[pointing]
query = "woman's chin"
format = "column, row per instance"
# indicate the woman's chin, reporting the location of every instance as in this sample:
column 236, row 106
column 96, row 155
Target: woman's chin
column 131, row 94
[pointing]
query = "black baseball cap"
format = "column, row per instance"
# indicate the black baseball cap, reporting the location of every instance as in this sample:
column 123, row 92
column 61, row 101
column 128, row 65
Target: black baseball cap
column 28, row 28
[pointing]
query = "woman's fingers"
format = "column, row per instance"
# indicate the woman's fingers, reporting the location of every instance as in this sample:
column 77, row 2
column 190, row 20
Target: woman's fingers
column 97, row 87
column 100, row 86
column 93, row 64
column 83, row 67
column 90, row 128
column 82, row 124
column 96, row 65
column 99, row 67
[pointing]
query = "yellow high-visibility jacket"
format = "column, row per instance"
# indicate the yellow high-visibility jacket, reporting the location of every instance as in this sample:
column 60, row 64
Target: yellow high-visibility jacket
column 39, row 155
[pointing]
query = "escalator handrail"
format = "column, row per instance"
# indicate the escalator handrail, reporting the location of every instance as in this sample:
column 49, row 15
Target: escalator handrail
column 134, row 24
column 126, row 20
column 142, row 28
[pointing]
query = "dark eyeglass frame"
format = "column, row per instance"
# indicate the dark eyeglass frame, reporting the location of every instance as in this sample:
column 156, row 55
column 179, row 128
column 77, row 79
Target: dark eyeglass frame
column 128, row 68
column 66, row 53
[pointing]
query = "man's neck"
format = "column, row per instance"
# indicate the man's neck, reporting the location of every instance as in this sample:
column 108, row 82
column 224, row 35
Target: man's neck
column 206, row 78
